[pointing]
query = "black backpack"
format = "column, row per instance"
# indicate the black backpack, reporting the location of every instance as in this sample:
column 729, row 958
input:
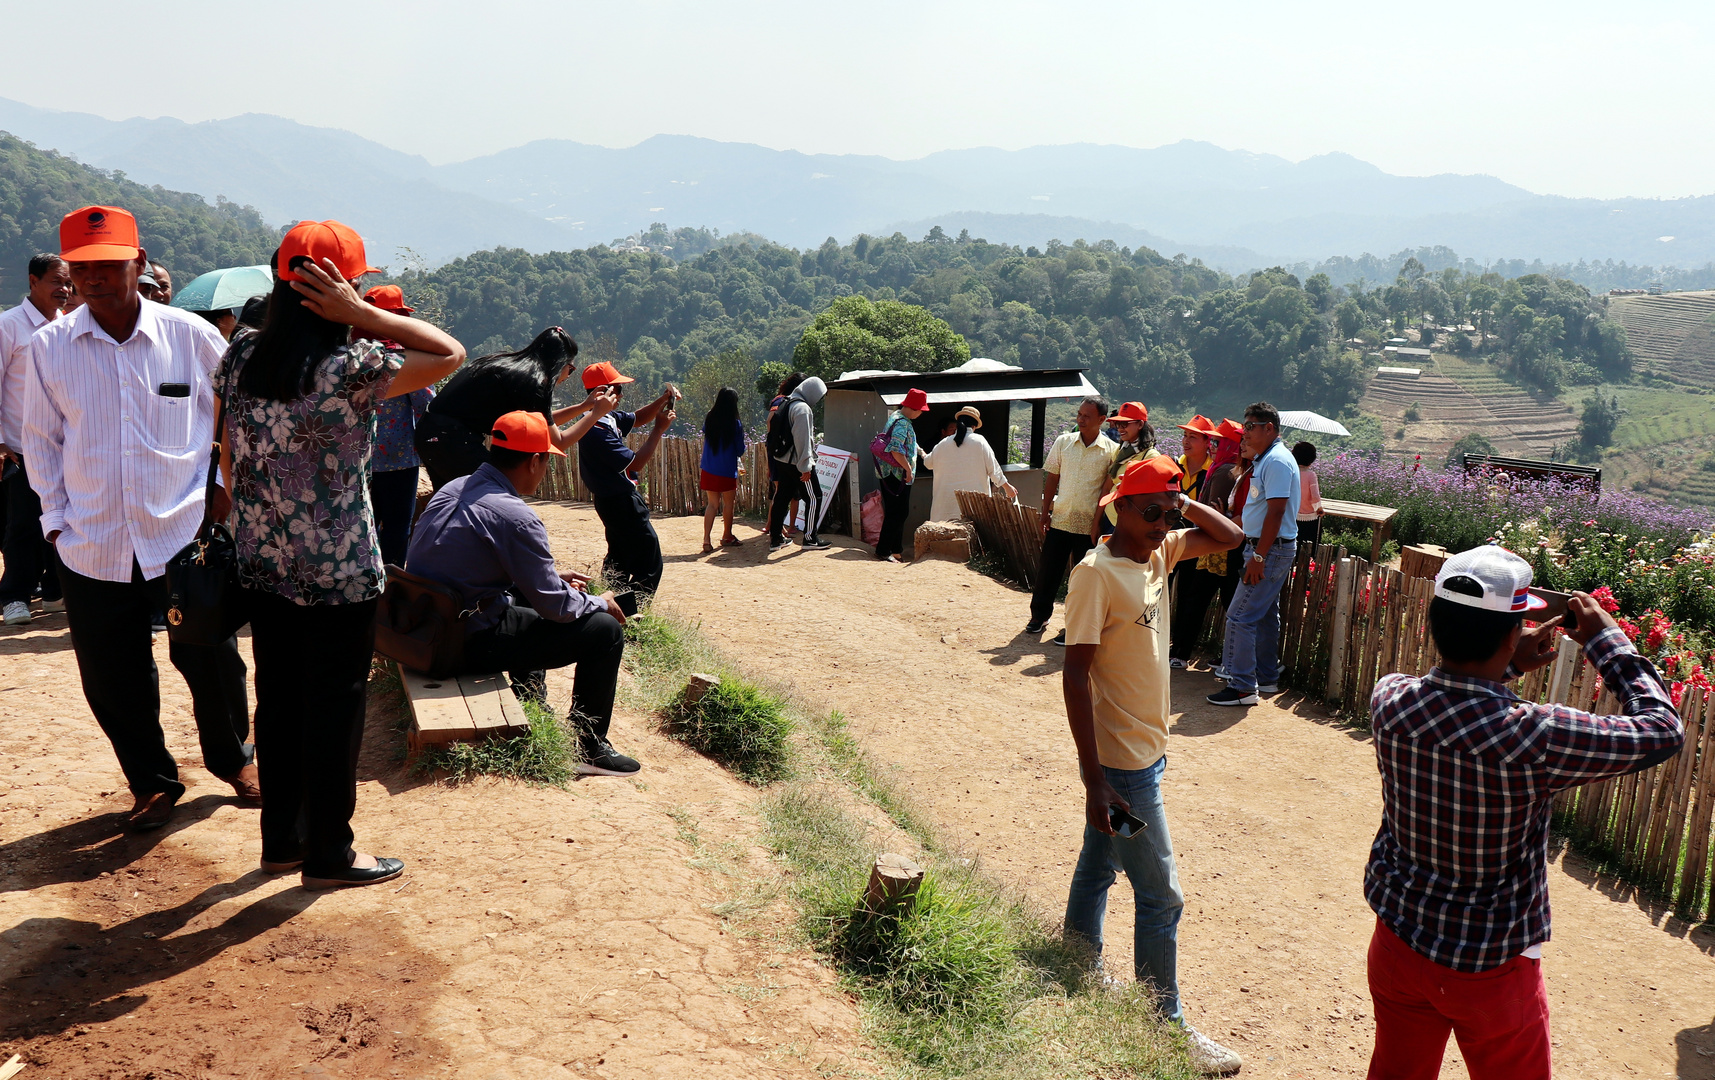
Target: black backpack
column 780, row 442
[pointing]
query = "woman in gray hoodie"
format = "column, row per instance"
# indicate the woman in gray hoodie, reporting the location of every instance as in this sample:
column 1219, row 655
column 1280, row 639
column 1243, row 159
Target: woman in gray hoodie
column 792, row 442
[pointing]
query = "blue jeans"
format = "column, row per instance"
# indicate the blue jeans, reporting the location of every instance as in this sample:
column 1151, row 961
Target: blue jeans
column 1252, row 651
column 1147, row 860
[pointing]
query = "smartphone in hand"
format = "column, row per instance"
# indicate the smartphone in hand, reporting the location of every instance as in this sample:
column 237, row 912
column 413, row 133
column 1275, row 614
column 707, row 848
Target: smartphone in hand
column 627, row 602
column 1125, row 823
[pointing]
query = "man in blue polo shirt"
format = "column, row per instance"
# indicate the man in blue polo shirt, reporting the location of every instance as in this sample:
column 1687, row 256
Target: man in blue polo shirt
column 609, row 469
column 1252, row 654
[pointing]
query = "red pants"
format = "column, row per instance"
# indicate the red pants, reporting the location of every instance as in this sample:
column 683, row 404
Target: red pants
column 1499, row 1016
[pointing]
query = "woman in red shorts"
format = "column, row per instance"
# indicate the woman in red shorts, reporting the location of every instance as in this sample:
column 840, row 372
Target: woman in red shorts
column 723, row 446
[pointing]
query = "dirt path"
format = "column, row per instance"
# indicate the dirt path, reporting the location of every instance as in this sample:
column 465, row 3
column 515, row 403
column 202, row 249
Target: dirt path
column 1272, row 811
column 537, row 933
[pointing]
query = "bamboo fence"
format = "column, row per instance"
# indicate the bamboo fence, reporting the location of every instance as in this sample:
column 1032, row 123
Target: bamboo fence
column 1346, row 622
column 1004, row 526
column 668, row 482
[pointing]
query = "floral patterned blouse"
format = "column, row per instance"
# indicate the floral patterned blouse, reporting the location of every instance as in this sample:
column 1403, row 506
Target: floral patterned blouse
column 300, row 477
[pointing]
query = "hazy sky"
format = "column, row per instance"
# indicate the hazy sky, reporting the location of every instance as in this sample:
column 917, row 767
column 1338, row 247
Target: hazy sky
column 1570, row 97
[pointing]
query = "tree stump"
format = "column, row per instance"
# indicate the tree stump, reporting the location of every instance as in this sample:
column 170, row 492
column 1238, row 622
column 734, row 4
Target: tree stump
column 943, row 540
column 698, row 686
column 893, row 882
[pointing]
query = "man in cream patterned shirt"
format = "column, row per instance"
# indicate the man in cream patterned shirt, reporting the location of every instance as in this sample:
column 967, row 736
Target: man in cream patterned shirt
column 1072, row 479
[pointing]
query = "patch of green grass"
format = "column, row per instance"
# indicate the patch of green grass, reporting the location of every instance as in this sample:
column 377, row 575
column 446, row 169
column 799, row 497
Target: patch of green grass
column 971, row 981
column 968, row 982
column 740, row 725
column 548, row 755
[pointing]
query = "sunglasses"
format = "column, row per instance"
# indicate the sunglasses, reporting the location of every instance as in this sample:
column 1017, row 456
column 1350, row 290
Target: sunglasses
column 1256, row 424
column 1154, row 511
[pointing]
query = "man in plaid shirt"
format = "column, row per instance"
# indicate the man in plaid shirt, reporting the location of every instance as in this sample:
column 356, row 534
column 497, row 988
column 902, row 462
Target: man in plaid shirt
column 1458, row 874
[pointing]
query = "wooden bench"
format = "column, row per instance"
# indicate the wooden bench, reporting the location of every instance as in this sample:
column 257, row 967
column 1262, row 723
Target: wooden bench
column 468, row 708
column 1380, row 517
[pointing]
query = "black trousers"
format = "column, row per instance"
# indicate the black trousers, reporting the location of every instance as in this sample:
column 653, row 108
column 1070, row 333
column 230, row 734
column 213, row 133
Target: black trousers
column 525, row 645
column 1309, row 532
column 633, row 549
column 116, row 661
column 312, row 673
column 791, row 486
column 394, row 496
column 1059, row 547
column 1196, row 589
column 448, row 448
column 30, row 560
column 895, row 508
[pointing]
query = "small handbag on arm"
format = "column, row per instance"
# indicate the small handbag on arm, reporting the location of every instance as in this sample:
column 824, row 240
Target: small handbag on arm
column 205, row 607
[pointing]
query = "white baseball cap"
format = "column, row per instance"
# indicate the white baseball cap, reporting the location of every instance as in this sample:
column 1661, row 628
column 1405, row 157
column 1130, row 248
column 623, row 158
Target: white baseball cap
column 1505, row 579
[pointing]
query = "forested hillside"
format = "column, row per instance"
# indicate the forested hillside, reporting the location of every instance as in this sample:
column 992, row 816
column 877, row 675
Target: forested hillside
column 38, row 188
column 1163, row 329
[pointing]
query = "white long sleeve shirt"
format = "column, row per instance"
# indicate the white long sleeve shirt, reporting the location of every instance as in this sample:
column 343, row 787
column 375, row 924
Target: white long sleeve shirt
column 120, row 467
column 17, row 326
column 971, row 467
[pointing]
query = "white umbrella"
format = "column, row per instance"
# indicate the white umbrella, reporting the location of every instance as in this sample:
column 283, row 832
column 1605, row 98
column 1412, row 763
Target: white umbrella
column 1309, row 421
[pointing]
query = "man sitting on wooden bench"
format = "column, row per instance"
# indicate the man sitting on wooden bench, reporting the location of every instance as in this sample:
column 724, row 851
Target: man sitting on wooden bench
column 480, row 538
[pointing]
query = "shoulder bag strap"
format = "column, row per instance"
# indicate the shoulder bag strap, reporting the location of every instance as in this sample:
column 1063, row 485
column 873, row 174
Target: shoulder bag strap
column 219, row 438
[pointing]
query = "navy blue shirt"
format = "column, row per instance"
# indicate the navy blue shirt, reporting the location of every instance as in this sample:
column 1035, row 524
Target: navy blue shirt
column 603, row 456
column 480, row 539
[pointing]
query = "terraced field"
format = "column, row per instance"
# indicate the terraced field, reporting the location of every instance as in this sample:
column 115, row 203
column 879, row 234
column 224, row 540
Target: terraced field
column 1673, row 334
column 1458, row 398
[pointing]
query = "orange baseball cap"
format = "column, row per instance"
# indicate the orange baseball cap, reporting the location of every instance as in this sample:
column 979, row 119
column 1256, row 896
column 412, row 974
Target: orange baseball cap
column 603, row 374
column 1231, row 429
column 389, row 298
column 99, row 234
column 318, row 240
column 1132, row 410
column 1146, row 477
column 525, row 432
column 1200, row 425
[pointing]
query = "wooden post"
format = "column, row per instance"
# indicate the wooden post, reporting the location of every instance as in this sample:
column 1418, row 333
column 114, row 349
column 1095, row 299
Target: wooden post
column 1337, row 643
column 1560, row 675
column 1038, row 428
column 698, row 686
column 854, row 495
column 893, row 882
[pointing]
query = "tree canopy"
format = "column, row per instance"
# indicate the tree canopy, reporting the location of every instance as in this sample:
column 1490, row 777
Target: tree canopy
column 854, row 333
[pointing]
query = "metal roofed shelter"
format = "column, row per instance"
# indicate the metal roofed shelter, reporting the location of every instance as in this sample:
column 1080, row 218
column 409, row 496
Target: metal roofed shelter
column 858, row 404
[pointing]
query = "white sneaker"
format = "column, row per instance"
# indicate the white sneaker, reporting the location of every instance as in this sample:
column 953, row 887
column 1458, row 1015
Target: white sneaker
column 1176, row 664
column 1268, row 688
column 17, row 613
column 53, row 606
column 1208, row 1056
column 1219, row 671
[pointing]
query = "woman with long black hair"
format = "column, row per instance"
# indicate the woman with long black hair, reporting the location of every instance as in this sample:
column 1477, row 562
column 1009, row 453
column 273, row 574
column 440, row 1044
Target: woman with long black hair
column 450, row 437
column 723, row 447
column 961, row 463
column 300, row 420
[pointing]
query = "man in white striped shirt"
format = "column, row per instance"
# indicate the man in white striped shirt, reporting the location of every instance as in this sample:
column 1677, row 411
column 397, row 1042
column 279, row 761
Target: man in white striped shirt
column 29, row 559
column 118, row 418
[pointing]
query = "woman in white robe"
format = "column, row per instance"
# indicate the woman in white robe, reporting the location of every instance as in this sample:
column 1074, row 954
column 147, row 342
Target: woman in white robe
column 961, row 463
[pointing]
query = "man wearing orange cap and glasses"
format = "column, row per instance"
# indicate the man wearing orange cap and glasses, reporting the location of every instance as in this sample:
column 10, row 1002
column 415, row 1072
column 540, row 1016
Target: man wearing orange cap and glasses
column 610, row 469
column 1116, row 686
column 118, row 418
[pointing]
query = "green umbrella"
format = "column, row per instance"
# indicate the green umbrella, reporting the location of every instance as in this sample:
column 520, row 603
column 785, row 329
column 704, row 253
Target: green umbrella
column 218, row 290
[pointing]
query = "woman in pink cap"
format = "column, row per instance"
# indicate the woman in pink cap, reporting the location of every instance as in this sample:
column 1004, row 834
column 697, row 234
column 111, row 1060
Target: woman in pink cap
column 897, row 468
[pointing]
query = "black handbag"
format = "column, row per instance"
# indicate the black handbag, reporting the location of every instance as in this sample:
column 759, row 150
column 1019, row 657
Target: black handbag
column 205, row 606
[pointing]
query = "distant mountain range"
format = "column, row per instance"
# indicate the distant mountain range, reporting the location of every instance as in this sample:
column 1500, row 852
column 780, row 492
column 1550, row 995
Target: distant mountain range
column 1233, row 209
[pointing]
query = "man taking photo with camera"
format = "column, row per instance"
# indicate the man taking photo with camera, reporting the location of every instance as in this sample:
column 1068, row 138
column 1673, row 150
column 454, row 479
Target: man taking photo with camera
column 1458, row 874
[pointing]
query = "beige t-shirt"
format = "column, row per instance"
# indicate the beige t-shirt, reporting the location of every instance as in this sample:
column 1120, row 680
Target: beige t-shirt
column 1121, row 607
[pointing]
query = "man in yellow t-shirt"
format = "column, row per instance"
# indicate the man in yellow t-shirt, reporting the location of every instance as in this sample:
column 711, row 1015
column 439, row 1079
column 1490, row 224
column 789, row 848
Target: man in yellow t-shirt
column 1118, row 703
